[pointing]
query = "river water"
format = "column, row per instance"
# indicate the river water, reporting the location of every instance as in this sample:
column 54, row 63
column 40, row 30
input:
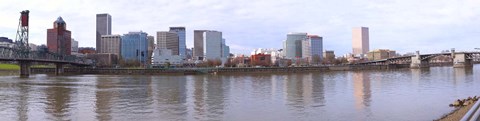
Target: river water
column 394, row 95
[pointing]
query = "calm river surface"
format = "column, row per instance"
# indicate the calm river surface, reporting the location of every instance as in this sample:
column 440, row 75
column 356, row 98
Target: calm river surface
column 396, row 95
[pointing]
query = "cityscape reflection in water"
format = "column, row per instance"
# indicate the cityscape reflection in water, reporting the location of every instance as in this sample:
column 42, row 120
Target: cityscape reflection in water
column 405, row 94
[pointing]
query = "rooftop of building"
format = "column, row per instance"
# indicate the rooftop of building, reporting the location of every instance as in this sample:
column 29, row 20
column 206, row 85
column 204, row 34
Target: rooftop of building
column 177, row 27
column 314, row 36
column 297, row 33
column 59, row 20
column 103, row 14
column 114, row 35
column 165, row 32
column 328, row 51
column 206, row 31
column 361, row 27
column 136, row 32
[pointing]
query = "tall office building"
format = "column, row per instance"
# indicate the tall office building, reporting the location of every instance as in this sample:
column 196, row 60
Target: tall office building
column 360, row 41
column 151, row 47
column 293, row 45
column 207, row 45
column 225, row 49
column 59, row 38
column 111, row 44
column 74, row 46
column 213, row 45
column 189, row 53
column 135, row 47
column 198, row 44
column 329, row 55
column 168, row 40
column 312, row 47
column 151, row 43
column 104, row 27
column 182, row 47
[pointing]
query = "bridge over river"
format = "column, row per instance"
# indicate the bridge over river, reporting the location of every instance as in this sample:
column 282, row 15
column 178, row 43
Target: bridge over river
column 458, row 59
column 26, row 58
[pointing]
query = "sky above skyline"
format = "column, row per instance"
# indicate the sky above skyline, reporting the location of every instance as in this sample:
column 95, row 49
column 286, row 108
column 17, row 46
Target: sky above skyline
column 403, row 25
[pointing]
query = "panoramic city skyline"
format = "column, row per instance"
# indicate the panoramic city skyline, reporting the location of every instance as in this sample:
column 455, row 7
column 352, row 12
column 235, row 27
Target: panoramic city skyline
column 404, row 26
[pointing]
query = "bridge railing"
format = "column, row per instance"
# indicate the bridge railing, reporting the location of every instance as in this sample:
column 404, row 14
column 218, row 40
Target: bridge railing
column 473, row 114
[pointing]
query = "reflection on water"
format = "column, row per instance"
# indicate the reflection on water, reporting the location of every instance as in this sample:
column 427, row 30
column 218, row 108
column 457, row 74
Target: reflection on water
column 362, row 92
column 58, row 100
column 462, row 73
column 171, row 96
column 358, row 95
column 22, row 108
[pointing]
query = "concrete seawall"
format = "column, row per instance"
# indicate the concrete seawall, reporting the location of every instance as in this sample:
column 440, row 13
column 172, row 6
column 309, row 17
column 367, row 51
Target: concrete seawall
column 188, row 71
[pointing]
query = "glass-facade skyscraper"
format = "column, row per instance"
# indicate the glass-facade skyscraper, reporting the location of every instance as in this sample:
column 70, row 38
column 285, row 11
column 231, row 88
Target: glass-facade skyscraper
column 135, row 47
column 293, row 45
column 312, row 47
column 182, row 47
column 212, row 45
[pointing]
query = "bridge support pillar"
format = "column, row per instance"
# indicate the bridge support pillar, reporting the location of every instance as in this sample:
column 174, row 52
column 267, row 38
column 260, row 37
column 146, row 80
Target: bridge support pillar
column 417, row 62
column 59, row 69
column 24, row 69
column 460, row 60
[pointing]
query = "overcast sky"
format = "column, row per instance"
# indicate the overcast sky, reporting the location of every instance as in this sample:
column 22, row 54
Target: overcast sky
column 402, row 25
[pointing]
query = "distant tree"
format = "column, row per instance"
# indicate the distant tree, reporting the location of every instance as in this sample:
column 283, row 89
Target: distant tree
column 210, row 63
column 289, row 62
column 229, row 63
column 202, row 64
column 328, row 60
column 214, row 62
column 217, row 62
column 340, row 60
column 316, row 59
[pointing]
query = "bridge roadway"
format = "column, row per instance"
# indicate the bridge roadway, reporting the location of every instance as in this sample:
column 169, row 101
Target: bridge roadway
column 459, row 59
column 25, row 58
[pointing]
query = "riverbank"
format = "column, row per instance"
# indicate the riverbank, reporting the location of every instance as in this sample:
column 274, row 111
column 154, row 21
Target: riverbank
column 457, row 113
column 190, row 71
